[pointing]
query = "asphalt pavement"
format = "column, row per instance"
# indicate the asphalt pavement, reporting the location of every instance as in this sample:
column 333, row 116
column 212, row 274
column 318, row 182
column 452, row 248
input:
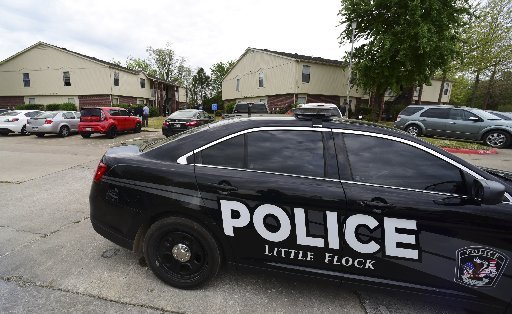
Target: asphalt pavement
column 51, row 260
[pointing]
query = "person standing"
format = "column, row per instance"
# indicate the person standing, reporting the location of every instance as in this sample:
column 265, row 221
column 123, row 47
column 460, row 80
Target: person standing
column 145, row 116
column 130, row 111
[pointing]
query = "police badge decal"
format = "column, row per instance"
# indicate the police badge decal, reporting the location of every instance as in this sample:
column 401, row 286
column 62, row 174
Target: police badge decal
column 479, row 266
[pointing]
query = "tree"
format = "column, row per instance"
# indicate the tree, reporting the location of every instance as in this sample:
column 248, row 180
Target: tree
column 488, row 44
column 218, row 71
column 168, row 65
column 139, row 64
column 403, row 42
column 200, row 87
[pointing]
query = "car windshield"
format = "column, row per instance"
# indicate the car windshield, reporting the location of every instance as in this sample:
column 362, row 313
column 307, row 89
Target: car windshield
column 183, row 114
column 255, row 108
column 10, row 113
column 46, row 115
column 485, row 115
column 91, row 112
column 501, row 116
column 332, row 112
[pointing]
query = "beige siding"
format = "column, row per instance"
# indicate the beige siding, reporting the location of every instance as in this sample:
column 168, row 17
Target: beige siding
column 46, row 100
column 279, row 76
column 182, row 94
column 431, row 93
column 46, row 65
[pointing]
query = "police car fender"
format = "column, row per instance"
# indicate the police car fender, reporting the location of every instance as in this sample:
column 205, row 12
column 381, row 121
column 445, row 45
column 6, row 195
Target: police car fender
column 393, row 239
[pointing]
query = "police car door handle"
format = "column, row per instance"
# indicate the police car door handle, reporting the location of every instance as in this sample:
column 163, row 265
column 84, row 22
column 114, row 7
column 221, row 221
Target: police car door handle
column 376, row 206
column 223, row 188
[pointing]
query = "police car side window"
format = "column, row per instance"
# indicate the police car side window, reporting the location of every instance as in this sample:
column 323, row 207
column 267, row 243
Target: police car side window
column 387, row 162
column 291, row 152
column 228, row 153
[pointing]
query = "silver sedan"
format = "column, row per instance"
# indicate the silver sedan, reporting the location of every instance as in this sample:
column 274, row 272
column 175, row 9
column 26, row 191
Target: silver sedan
column 62, row 123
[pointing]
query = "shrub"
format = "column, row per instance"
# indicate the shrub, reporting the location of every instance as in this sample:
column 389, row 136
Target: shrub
column 30, row 107
column 228, row 108
column 153, row 112
column 67, row 106
column 52, row 107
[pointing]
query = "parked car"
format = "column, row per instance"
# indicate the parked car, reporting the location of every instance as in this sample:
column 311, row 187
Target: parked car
column 354, row 203
column 305, row 111
column 15, row 121
column 4, row 110
column 183, row 120
column 107, row 120
column 456, row 122
column 62, row 123
column 246, row 109
column 502, row 115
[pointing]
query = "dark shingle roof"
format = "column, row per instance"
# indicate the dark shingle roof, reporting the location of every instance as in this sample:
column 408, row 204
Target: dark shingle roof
column 304, row 58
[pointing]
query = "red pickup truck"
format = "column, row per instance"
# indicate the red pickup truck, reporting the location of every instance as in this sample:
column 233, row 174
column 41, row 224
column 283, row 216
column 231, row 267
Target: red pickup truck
column 107, row 120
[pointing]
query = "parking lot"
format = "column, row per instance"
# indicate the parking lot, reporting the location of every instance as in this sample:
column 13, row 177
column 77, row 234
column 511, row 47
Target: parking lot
column 51, row 260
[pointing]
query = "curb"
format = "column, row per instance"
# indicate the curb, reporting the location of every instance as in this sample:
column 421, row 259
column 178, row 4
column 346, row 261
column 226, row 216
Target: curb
column 471, row 151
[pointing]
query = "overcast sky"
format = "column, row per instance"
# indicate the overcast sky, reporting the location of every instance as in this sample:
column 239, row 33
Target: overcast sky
column 202, row 31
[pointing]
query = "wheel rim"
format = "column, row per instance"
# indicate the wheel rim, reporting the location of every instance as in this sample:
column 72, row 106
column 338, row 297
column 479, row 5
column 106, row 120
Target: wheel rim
column 413, row 130
column 65, row 131
column 181, row 255
column 495, row 139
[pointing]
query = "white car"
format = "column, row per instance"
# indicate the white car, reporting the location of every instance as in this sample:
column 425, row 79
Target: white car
column 15, row 121
column 303, row 111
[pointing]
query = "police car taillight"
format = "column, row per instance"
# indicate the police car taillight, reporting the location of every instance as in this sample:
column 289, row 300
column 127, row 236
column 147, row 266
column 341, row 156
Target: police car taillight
column 100, row 171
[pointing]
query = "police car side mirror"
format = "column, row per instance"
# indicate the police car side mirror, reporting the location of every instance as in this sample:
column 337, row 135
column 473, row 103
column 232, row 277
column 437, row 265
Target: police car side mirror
column 487, row 192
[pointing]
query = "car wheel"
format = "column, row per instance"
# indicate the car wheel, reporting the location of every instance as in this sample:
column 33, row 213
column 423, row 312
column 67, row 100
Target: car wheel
column 112, row 132
column 24, row 130
column 497, row 139
column 85, row 135
column 4, row 134
column 138, row 127
column 413, row 130
column 39, row 134
column 64, row 131
column 181, row 252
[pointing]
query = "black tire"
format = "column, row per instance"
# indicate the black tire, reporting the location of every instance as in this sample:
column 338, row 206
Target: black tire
column 85, row 135
column 24, row 130
column 39, row 134
column 64, row 131
column 4, row 134
column 497, row 139
column 138, row 127
column 112, row 132
column 413, row 129
column 171, row 239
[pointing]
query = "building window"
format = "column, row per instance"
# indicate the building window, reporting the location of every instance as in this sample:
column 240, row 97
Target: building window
column 26, row 80
column 142, row 83
column 116, row 78
column 31, row 101
column 67, row 78
column 115, row 101
column 306, row 73
column 71, row 100
column 237, row 84
column 260, row 80
column 301, row 99
column 140, row 101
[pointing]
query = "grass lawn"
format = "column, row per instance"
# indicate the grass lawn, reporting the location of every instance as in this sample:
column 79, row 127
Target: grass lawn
column 156, row 122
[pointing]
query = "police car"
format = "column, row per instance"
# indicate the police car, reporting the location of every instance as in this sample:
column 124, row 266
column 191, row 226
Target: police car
column 353, row 202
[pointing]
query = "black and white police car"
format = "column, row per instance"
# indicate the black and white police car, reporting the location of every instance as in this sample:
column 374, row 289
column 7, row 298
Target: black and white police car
column 341, row 200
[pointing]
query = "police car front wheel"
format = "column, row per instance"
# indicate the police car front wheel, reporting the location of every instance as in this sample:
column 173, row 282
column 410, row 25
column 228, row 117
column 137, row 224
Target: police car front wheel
column 181, row 252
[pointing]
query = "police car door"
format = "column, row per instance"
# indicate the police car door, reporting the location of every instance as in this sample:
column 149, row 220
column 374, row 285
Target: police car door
column 276, row 195
column 414, row 214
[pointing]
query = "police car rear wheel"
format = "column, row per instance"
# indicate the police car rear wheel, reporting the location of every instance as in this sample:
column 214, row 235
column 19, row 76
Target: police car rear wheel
column 181, row 252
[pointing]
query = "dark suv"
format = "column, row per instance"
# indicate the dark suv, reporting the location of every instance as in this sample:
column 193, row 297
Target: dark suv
column 456, row 122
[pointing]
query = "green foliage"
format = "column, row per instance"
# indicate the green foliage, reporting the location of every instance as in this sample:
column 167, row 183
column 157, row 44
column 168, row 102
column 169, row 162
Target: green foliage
column 218, row 71
column 52, row 107
column 200, row 87
column 140, row 64
column 68, row 107
column 153, row 112
column 228, row 108
column 404, row 42
column 461, row 91
column 30, row 107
